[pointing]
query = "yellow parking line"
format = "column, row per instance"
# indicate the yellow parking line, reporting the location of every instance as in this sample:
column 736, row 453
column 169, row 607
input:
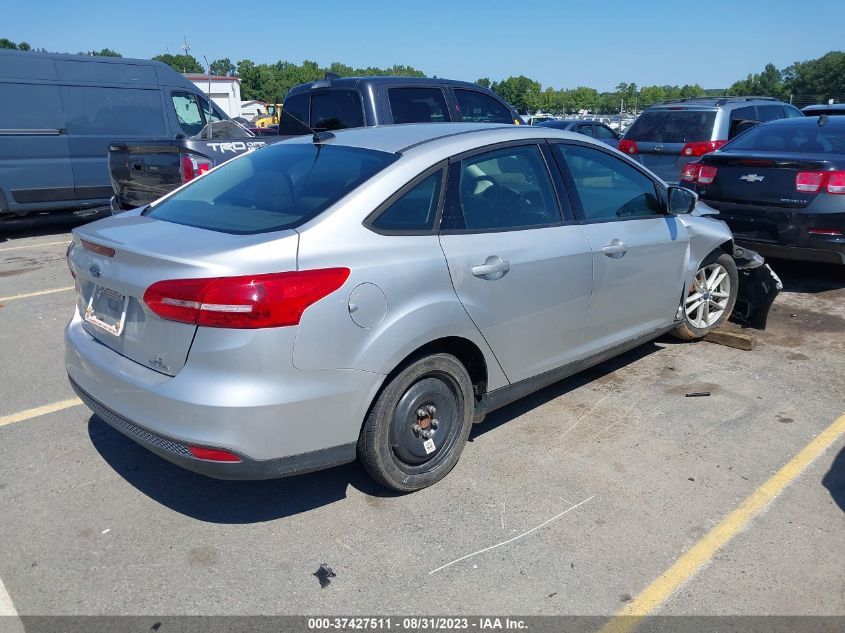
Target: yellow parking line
column 35, row 294
column 657, row 592
column 17, row 248
column 34, row 413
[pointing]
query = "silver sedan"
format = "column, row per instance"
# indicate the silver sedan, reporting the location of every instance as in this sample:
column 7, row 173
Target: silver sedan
column 371, row 294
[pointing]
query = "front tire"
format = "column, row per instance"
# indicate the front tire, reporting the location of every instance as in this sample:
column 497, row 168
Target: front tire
column 710, row 298
column 419, row 424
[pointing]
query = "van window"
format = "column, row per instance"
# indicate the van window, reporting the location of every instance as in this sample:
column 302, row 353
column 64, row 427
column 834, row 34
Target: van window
column 187, row 112
column 417, row 105
column 30, row 107
column 92, row 110
column 294, row 113
column 336, row 110
column 478, row 107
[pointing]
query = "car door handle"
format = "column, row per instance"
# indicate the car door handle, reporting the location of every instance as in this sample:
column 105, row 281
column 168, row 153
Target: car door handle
column 616, row 249
column 492, row 266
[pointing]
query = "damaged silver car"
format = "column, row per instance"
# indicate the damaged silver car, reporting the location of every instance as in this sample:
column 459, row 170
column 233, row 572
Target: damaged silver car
column 371, row 293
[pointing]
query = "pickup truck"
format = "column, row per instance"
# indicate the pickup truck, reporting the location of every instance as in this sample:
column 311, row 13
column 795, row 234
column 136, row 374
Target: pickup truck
column 142, row 171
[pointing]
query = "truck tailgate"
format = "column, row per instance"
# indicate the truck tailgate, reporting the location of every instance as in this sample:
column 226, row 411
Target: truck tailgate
column 141, row 173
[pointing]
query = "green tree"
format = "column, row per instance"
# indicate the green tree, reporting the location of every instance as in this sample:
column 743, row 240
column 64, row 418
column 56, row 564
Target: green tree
column 521, row 92
column 223, row 67
column 105, row 52
column 23, row 46
column 180, row 63
column 484, row 82
column 4, row 43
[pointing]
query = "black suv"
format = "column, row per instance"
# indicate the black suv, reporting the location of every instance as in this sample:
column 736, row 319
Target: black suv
column 337, row 103
column 668, row 135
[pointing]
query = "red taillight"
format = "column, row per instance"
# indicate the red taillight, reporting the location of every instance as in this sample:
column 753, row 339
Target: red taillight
column 825, row 232
column 706, row 174
column 213, row 454
column 809, row 181
column 814, row 181
column 628, row 147
column 701, row 148
column 193, row 166
column 252, row 301
column 836, row 182
column 689, row 173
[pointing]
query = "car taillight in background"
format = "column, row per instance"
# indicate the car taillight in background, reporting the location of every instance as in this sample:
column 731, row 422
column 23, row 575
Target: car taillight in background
column 696, row 172
column 816, row 181
column 249, row 302
column 627, row 147
column 193, row 166
column 700, row 148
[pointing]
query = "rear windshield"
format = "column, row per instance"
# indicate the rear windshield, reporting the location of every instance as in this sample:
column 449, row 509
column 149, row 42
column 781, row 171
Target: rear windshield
column 672, row 126
column 803, row 139
column 277, row 187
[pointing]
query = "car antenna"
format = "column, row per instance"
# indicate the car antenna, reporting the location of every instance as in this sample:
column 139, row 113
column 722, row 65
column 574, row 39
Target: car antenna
column 316, row 137
column 823, row 119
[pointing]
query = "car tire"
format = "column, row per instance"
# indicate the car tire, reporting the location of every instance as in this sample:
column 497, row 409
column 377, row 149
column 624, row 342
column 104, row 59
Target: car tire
column 419, row 424
column 704, row 305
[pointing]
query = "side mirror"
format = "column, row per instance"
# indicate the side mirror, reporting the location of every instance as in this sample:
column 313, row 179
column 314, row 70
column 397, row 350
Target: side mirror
column 681, row 199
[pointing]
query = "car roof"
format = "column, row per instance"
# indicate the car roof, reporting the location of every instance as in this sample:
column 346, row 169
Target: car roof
column 364, row 82
column 804, row 121
column 838, row 107
column 407, row 136
column 712, row 103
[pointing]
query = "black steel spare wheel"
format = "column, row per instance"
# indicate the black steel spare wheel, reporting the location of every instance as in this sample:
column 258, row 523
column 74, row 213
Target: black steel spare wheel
column 419, row 424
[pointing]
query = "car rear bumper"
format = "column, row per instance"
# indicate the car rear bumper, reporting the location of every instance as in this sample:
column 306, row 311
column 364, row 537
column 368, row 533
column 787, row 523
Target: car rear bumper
column 293, row 421
column 785, row 233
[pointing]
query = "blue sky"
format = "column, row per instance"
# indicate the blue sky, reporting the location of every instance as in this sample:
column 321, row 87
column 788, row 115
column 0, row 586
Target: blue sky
column 562, row 44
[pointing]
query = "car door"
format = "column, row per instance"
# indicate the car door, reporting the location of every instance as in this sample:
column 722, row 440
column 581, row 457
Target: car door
column 522, row 273
column 639, row 250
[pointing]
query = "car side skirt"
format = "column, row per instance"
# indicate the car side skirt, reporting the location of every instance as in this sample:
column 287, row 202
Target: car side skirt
column 503, row 396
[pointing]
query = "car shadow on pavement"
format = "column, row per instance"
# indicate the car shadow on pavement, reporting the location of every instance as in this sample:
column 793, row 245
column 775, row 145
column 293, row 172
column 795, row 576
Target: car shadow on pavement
column 218, row 501
column 834, row 480
column 241, row 502
column 42, row 225
column 808, row 277
column 520, row 407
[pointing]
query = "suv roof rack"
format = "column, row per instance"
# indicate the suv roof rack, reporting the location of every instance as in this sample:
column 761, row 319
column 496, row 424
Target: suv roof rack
column 715, row 100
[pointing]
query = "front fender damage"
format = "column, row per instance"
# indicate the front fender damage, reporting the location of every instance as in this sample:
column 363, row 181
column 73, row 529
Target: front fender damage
column 758, row 287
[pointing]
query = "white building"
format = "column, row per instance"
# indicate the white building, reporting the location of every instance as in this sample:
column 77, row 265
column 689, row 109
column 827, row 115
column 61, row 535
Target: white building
column 251, row 109
column 224, row 91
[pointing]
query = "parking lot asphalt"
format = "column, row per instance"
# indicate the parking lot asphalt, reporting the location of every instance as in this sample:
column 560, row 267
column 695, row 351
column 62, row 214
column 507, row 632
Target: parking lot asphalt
column 572, row 501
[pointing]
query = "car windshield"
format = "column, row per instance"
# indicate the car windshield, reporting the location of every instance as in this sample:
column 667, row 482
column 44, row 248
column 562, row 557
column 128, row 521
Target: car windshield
column 806, row 139
column 673, row 126
column 275, row 188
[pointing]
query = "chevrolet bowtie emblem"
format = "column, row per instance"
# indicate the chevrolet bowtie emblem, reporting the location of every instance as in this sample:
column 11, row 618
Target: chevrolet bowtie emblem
column 752, row 178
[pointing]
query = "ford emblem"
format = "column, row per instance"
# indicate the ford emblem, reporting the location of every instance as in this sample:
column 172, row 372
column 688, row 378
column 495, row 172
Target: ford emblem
column 94, row 270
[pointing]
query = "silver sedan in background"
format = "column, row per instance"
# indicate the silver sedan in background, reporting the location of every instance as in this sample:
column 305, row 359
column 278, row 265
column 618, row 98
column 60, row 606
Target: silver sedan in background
column 371, row 294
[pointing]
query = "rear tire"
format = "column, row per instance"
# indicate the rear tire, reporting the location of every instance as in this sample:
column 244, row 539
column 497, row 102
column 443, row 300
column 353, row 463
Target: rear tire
column 419, row 424
column 710, row 298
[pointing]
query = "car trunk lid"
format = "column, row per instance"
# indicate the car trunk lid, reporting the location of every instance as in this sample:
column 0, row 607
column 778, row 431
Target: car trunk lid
column 116, row 260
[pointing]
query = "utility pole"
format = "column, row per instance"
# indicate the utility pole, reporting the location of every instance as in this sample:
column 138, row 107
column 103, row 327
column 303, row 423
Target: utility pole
column 186, row 50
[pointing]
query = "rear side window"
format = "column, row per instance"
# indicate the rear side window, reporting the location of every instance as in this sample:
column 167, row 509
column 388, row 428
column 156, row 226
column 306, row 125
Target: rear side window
column 673, row 126
column 92, row 110
column 30, row 107
column 604, row 133
column 769, row 112
column 506, row 189
column 587, row 130
column 271, row 189
column 187, row 112
column 609, row 188
column 778, row 138
column 794, row 113
column 415, row 210
column 294, row 114
column 336, row 110
column 478, row 107
column 417, row 105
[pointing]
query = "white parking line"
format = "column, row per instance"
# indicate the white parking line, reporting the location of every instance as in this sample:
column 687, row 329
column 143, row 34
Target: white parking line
column 35, row 294
column 17, row 248
column 10, row 621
